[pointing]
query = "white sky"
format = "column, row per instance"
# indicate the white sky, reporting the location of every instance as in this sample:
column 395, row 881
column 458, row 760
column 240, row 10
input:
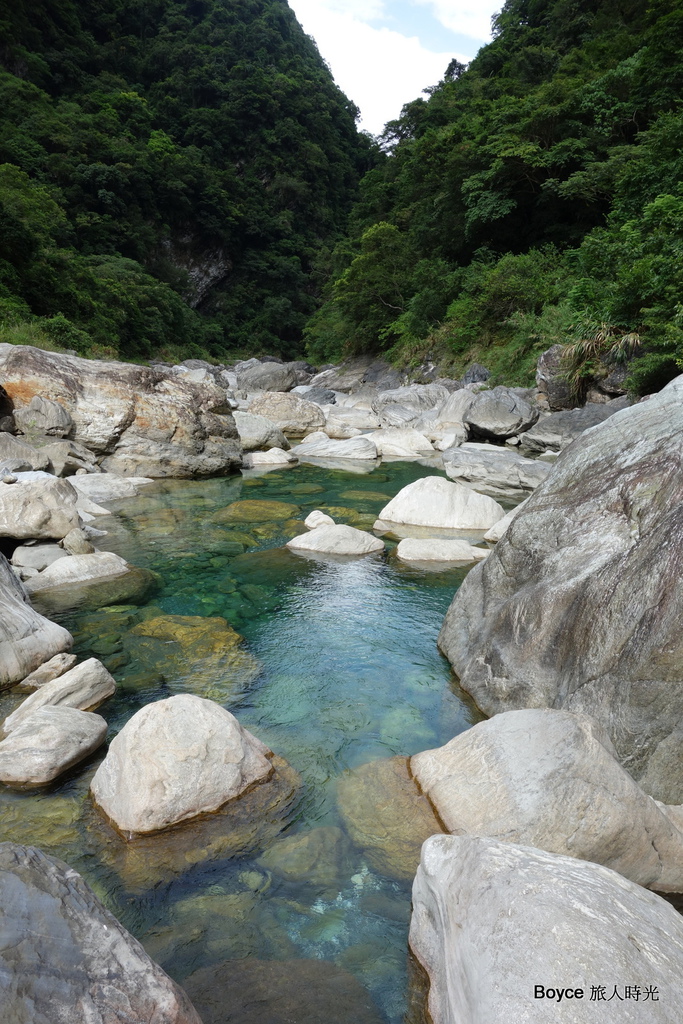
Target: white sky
column 383, row 53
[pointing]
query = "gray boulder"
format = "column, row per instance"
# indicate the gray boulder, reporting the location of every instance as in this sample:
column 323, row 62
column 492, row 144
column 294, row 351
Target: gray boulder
column 320, row 446
column 579, row 606
column 498, row 471
column 292, row 414
column 475, row 374
column 45, row 673
column 47, row 743
column 267, row 377
column 354, row 374
column 140, row 420
column 43, row 416
column 492, row 921
column 65, row 959
column 37, row 556
column 552, row 382
column 68, row 457
column 336, row 539
column 404, row 405
column 37, row 506
column 26, row 638
column 16, row 456
column 499, row 413
column 258, row 434
column 550, row 779
column 555, row 432
column 321, row 396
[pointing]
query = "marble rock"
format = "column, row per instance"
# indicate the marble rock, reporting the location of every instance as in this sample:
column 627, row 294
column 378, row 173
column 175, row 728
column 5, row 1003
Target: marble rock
column 579, row 605
column 317, row 518
column 500, row 413
column 27, row 639
column 498, row 471
column 400, row 443
column 433, row 501
column 48, row 742
column 176, row 759
column 18, row 457
column 550, row 779
column 37, row 506
column 43, row 416
column 266, row 377
column 439, row 549
column 65, row 959
column 45, row 673
column 493, row 920
column 105, row 487
column 258, row 433
column 79, row 569
column 272, row 457
column 37, row 556
column 336, row 540
column 84, row 687
column 499, row 529
column 292, row 414
column 327, row 448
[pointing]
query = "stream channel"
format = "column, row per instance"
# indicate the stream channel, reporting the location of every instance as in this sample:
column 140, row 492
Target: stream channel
column 348, row 672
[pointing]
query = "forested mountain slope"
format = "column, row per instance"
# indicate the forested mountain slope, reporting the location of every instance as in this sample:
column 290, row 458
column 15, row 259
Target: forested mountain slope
column 534, row 197
column 170, row 173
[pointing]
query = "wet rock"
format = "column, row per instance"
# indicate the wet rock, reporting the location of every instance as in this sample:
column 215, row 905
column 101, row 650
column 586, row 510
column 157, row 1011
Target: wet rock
column 48, row 671
column 43, row 416
column 84, row 687
column 439, row 550
column 258, row 433
column 174, row 760
column 48, row 742
column 386, row 815
column 550, row 779
column 498, row 472
column 255, row 511
column 484, row 911
column 66, row 959
column 37, row 506
column 433, row 501
column 321, row 856
column 280, row 992
column 292, row 414
column 579, row 605
column 336, row 540
column 323, row 447
column 26, row 638
column 321, row 396
column 143, row 420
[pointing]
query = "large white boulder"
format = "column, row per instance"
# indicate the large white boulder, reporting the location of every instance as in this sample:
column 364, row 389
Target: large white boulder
column 317, row 518
column 550, row 779
column 336, row 540
column 84, row 687
column 176, row 759
column 492, row 921
column 433, row 501
column 292, row 414
column 323, row 447
column 400, row 443
column 37, row 506
column 273, row 457
column 103, row 487
column 79, row 569
column 50, row 740
column 27, row 639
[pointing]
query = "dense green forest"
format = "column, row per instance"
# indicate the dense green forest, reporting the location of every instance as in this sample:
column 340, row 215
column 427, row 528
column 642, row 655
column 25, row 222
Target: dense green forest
column 172, row 175
column 179, row 178
column 534, row 197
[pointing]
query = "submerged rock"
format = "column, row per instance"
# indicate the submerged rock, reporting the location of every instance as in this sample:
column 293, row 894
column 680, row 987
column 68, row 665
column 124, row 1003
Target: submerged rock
column 433, row 501
column 550, row 779
column 48, row 742
column 491, row 921
column 321, row 856
column 279, row 992
column 174, row 760
column 26, row 638
column 255, row 511
column 386, row 815
column 579, row 606
column 66, row 960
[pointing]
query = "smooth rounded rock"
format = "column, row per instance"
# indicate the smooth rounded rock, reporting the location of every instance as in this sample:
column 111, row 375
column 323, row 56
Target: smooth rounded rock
column 439, row 550
column 45, row 673
column 317, row 518
column 83, row 687
column 174, row 760
column 433, row 501
column 327, row 448
column 292, row 414
column 50, row 740
column 336, row 540
column 37, row 506
column 258, row 433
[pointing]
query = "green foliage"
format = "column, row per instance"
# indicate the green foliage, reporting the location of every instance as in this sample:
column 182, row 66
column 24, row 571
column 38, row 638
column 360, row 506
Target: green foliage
column 166, row 155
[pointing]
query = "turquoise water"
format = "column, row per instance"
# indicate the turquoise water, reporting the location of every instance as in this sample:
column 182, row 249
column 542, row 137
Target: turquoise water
column 339, row 667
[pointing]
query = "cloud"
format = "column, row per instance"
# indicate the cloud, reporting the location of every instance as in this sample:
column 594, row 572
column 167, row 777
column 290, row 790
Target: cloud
column 466, row 17
column 378, row 68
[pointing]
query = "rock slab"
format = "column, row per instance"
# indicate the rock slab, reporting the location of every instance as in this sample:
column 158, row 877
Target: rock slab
column 64, row 959
column 47, row 743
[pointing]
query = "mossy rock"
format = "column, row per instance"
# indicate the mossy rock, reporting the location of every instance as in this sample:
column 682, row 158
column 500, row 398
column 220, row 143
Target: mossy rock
column 254, row 511
column 366, row 496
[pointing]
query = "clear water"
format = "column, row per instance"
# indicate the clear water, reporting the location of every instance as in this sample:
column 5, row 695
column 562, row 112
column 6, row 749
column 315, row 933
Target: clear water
column 348, row 673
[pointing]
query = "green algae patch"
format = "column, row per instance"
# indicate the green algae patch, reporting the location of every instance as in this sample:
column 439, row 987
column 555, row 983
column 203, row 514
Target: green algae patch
column 254, row 511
